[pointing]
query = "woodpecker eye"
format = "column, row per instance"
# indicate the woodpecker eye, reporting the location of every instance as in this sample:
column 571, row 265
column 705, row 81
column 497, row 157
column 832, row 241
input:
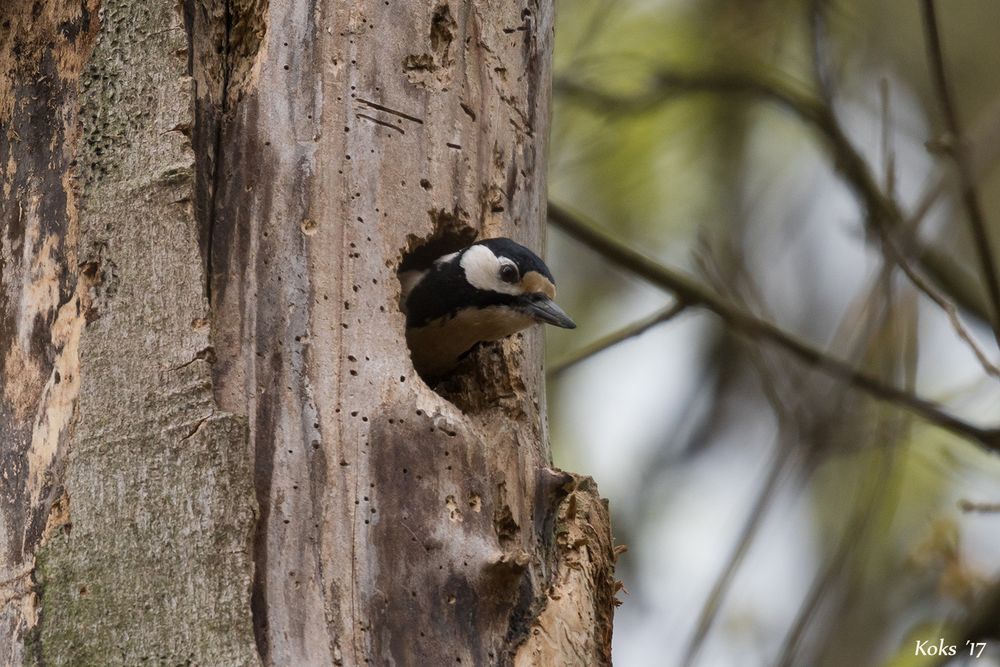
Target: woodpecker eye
column 508, row 273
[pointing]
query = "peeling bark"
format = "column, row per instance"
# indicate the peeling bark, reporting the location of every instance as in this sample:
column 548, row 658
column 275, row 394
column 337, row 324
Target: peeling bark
column 126, row 534
column 574, row 628
column 203, row 209
column 396, row 524
column 42, row 51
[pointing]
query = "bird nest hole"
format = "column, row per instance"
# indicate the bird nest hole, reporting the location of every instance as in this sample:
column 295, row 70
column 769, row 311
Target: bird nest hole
column 485, row 377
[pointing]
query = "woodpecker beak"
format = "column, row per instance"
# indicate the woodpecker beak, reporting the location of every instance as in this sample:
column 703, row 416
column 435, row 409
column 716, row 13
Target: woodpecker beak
column 544, row 309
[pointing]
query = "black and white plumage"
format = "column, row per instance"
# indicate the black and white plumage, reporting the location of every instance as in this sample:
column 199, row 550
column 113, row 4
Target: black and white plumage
column 488, row 291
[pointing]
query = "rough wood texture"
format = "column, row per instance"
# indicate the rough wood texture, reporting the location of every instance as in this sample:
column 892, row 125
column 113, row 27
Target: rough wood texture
column 145, row 487
column 42, row 50
column 397, row 527
column 575, row 626
column 279, row 160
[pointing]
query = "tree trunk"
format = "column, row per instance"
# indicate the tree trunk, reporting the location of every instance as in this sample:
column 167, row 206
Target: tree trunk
column 203, row 208
column 128, row 499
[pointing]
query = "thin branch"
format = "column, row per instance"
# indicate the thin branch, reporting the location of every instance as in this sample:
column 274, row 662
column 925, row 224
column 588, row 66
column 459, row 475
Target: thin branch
column 755, row 518
column 601, row 344
column 820, row 49
column 952, row 278
column 888, row 154
column 670, row 85
column 810, row 109
column 896, row 254
column 955, row 146
column 859, row 524
column 970, row 506
column 695, row 294
column 781, row 459
column 949, row 309
column 786, row 422
column 868, row 504
column 779, row 462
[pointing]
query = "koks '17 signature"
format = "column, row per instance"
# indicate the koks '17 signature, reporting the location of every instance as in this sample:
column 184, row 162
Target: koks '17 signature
column 925, row 647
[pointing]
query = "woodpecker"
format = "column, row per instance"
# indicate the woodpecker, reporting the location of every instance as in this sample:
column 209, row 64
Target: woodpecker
column 487, row 291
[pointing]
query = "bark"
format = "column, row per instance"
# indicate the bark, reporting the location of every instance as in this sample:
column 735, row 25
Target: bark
column 128, row 501
column 203, row 209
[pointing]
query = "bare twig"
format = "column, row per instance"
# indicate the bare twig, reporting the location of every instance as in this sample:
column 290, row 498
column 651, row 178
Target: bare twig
column 950, row 310
column 786, row 422
column 868, row 504
column 888, row 154
column 968, row 506
column 780, row 461
column 820, row 49
column 670, row 85
column 690, row 292
column 601, row 344
column 847, row 545
column 897, row 254
column 955, row 146
column 952, row 278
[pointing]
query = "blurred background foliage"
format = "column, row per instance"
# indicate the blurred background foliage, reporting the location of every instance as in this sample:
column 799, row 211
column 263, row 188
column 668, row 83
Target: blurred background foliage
column 776, row 513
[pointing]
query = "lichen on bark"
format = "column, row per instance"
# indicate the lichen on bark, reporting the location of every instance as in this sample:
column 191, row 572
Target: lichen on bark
column 235, row 195
column 148, row 557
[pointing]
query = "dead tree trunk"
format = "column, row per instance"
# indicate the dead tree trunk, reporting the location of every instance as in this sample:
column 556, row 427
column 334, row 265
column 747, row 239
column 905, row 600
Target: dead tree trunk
column 202, row 212
column 127, row 505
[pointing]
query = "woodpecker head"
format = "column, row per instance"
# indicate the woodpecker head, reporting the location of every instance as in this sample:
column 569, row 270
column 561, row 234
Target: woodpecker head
column 490, row 290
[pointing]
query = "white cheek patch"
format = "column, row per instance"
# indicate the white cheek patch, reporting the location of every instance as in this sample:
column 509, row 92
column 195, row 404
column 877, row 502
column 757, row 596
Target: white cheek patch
column 482, row 269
